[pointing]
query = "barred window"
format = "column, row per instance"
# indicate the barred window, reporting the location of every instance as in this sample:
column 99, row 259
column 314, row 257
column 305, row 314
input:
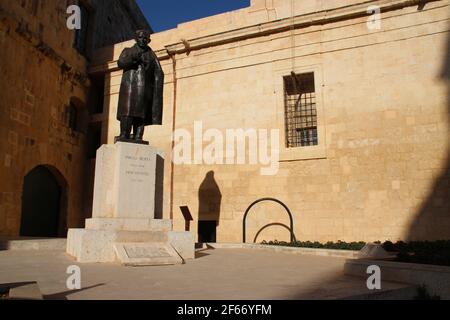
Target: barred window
column 300, row 110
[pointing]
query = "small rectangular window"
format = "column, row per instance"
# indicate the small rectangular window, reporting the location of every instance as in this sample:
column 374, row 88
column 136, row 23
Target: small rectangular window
column 72, row 117
column 300, row 110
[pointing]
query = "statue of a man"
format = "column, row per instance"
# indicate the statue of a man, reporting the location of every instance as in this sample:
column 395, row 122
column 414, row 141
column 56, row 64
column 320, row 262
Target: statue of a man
column 141, row 90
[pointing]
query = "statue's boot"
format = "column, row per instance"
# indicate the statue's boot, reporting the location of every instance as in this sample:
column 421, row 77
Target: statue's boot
column 126, row 125
column 139, row 134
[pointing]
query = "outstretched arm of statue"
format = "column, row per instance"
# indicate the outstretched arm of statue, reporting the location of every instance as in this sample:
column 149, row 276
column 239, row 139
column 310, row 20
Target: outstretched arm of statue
column 127, row 59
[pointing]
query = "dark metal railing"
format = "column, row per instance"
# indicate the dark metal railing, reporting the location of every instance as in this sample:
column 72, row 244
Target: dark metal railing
column 268, row 199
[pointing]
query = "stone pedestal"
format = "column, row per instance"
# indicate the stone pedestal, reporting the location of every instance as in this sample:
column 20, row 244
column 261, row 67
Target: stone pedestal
column 125, row 181
column 123, row 227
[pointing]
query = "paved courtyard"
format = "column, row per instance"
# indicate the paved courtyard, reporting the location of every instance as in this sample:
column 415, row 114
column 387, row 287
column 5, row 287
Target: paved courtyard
column 216, row 274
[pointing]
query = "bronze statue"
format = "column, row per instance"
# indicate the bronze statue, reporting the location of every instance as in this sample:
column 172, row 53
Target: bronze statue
column 141, row 90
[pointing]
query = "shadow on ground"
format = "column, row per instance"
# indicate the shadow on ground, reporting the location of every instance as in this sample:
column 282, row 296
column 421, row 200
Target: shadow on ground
column 63, row 295
column 6, row 289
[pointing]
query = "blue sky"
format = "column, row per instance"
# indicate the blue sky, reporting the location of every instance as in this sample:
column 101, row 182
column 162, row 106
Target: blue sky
column 166, row 14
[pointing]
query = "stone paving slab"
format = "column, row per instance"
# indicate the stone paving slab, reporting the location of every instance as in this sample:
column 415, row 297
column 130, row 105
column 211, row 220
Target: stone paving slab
column 348, row 254
column 216, row 274
column 23, row 291
column 23, row 243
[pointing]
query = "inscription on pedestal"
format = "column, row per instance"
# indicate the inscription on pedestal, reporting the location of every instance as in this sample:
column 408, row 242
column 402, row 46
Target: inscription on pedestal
column 125, row 180
column 137, row 168
column 136, row 181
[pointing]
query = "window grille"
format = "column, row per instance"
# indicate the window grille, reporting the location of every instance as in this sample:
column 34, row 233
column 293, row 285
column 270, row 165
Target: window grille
column 300, row 110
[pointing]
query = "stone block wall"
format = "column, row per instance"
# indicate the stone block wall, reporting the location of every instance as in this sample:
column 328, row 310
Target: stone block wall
column 381, row 169
column 41, row 74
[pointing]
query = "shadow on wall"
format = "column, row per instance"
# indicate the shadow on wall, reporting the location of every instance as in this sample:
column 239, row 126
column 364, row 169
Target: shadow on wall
column 209, row 203
column 159, row 187
column 431, row 222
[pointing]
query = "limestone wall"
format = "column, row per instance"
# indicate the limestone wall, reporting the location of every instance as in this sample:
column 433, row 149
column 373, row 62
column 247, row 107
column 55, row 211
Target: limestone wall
column 381, row 169
column 41, row 73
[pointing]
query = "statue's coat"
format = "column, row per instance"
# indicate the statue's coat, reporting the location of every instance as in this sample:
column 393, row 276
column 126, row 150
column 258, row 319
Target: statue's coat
column 141, row 90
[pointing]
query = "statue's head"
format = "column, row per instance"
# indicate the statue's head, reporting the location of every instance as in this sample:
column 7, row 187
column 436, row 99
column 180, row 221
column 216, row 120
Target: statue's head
column 143, row 38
